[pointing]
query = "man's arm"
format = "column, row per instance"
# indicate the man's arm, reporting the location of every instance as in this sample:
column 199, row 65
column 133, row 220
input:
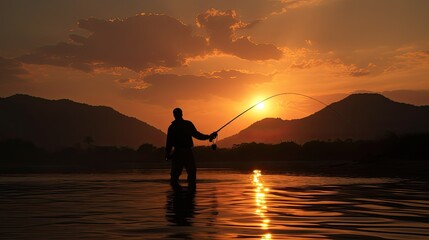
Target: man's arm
column 197, row 134
column 200, row 136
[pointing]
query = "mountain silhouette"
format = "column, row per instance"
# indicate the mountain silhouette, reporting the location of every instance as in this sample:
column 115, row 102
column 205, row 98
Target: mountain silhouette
column 63, row 123
column 358, row 116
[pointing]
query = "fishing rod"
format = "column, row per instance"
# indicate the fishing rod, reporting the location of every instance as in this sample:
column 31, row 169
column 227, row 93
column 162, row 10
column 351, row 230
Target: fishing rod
column 256, row 104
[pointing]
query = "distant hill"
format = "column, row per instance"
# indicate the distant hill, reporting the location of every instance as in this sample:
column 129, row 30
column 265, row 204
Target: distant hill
column 358, row 116
column 61, row 123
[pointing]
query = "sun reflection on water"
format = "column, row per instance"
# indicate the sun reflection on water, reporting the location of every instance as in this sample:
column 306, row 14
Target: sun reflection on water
column 261, row 203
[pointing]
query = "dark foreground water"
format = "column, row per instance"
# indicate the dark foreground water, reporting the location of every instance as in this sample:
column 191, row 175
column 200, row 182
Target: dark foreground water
column 226, row 205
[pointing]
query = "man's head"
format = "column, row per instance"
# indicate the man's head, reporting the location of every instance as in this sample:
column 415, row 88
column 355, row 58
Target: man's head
column 177, row 113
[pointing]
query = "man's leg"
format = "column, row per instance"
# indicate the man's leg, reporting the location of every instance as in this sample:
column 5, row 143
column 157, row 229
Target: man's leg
column 176, row 171
column 191, row 169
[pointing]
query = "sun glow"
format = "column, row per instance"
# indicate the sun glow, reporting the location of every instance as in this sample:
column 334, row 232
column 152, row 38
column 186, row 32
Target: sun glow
column 260, row 106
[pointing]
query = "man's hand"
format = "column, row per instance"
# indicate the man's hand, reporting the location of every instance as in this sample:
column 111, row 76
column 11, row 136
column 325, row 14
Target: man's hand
column 212, row 136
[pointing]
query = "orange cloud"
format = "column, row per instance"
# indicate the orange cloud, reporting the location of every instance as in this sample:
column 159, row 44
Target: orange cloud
column 220, row 26
column 11, row 70
column 305, row 58
column 409, row 60
column 151, row 41
column 138, row 43
column 299, row 3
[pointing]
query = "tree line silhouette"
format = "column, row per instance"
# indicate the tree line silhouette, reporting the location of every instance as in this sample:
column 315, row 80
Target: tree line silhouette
column 411, row 151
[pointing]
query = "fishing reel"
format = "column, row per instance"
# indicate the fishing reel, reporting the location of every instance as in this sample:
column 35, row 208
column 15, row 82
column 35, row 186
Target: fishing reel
column 213, row 141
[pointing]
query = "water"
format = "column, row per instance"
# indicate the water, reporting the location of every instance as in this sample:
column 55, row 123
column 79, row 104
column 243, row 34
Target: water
column 226, row 205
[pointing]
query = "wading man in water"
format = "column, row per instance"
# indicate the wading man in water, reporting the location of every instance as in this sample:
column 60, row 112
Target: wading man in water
column 179, row 148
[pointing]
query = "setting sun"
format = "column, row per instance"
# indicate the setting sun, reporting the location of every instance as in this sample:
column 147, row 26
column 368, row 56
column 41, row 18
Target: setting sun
column 260, row 106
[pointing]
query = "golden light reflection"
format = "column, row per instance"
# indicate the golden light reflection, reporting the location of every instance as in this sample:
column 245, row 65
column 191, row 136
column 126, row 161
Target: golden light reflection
column 261, row 203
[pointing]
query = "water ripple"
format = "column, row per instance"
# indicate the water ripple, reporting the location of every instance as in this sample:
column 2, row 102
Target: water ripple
column 226, row 205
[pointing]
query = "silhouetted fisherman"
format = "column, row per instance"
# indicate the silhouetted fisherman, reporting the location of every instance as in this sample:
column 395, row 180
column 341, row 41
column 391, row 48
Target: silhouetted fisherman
column 179, row 148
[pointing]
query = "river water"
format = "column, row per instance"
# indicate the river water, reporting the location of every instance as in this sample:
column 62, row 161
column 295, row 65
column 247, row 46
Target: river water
column 226, row 205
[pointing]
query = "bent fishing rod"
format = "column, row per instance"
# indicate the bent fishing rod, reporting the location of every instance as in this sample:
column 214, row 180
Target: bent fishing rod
column 256, row 104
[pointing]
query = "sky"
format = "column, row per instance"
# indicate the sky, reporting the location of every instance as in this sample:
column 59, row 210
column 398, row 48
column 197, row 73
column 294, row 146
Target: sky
column 213, row 58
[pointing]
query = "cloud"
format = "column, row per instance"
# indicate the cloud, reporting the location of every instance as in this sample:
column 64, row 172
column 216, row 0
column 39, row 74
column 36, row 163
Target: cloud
column 151, row 41
column 357, row 72
column 305, row 58
column 11, row 70
column 292, row 4
column 166, row 89
column 288, row 4
column 408, row 60
column 220, row 26
column 416, row 56
column 138, row 43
